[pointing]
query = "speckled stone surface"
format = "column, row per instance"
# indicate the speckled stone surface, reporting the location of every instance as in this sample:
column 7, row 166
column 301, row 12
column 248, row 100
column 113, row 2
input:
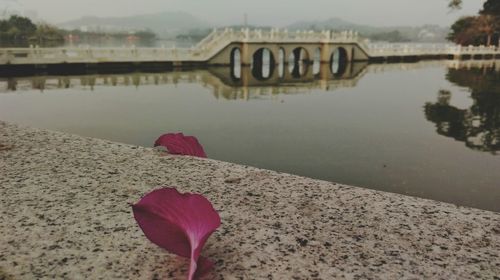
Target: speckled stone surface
column 65, row 213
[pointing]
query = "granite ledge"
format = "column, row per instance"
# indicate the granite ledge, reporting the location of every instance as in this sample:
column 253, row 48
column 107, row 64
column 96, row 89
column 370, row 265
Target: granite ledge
column 65, row 214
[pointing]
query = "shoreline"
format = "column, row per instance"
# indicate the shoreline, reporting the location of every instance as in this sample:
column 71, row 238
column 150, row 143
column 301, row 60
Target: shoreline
column 65, row 214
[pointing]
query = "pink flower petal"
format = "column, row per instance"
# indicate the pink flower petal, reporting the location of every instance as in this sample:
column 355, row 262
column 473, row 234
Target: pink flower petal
column 179, row 223
column 178, row 144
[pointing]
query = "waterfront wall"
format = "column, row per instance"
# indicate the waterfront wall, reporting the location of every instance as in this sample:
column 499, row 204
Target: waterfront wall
column 65, row 203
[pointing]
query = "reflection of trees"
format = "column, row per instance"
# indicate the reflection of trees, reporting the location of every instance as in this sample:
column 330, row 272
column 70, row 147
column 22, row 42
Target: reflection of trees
column 477, row 126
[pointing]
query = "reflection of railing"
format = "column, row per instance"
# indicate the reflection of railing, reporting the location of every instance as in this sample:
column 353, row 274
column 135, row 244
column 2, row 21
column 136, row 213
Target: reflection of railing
column 215, row 81
column 454, row 64
column 203, row 77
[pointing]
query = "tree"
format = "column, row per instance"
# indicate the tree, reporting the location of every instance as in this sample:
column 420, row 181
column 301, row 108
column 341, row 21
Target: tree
column 16, row 28
column 23, row 24
column 13, row 32
column 491, row 7
column 462, row 32
column 45, row 33
column 486, row 24
column 455, row 4
column 390, row 36
column 476, row 30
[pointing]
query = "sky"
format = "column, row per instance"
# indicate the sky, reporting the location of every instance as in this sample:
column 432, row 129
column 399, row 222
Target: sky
column 259, row 12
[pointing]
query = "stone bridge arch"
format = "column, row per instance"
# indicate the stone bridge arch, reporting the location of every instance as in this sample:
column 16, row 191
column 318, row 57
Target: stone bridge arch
column 235, row 63
column 338, row 61
column 263, row 63
column 223, row 57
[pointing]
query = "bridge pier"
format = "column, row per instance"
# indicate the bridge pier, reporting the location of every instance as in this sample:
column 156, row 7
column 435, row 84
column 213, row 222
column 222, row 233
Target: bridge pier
column 246, row 56
column 325, row 53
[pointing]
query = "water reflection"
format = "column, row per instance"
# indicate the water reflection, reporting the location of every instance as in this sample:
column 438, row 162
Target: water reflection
column 240, row 82
column 365, row 127
column 237, row 82
column 479, row 125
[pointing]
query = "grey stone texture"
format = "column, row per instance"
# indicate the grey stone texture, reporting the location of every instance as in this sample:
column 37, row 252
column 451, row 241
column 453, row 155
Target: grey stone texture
column 65, row 214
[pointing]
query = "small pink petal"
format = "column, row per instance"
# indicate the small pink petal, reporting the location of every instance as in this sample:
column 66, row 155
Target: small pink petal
column 179, row 223
column 178, row 144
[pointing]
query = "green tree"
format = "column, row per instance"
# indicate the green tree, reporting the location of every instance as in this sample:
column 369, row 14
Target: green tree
column 390, row 36
column 23, row 24
column 47, row 33
column 491, row 7
column 486, row 24
column 17, row 28
column 480, row 29
column 146, row 35
column 13, row 32
column 21, row 31
column 463, row 33
column 455, row 4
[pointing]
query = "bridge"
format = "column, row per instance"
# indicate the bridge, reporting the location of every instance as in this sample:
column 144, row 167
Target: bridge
column 247, row 48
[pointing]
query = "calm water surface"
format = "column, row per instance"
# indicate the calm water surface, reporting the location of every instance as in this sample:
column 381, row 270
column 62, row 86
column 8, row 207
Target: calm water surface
column 423, row 129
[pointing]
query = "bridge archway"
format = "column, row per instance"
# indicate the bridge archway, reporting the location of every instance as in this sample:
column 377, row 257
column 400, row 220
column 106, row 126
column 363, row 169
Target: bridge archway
column 316, row 61
column 338, row 61
column 298, row 62
column 235, row 62
column 281, row 62
column 263, row 64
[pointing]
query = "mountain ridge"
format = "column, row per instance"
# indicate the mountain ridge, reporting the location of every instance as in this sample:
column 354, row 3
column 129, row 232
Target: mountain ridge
column 423, row 33
column 162, row 23
column 168, row 24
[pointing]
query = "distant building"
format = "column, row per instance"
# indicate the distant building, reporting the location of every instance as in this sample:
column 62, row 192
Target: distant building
column 425, row 34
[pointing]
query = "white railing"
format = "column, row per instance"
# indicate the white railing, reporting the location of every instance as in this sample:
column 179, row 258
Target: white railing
column 94, row 55
column 384, row 50
column 219, row 39
column 203, row 51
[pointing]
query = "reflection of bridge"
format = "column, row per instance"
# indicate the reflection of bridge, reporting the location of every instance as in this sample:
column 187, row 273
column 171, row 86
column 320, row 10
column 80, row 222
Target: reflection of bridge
column 224, row 85
column 219, row 49
column 218, row 79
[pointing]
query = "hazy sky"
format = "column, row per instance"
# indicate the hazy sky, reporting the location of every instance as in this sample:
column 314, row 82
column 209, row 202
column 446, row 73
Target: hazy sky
column 268, row 12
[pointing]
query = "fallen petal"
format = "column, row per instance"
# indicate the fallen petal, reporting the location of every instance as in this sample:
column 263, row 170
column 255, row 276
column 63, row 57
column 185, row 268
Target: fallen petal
column 179, row 144
column 179, row 223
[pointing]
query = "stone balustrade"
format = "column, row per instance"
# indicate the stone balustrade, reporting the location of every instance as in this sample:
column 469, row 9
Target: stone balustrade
column 219, row 39
column 429, row 49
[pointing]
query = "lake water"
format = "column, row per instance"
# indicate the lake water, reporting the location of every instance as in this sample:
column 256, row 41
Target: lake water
column 429, row 129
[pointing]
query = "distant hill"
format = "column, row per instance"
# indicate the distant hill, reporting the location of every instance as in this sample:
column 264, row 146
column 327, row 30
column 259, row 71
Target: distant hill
column 332, row 23
column 425, row 33
column 164, row 24
column 186, row 26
